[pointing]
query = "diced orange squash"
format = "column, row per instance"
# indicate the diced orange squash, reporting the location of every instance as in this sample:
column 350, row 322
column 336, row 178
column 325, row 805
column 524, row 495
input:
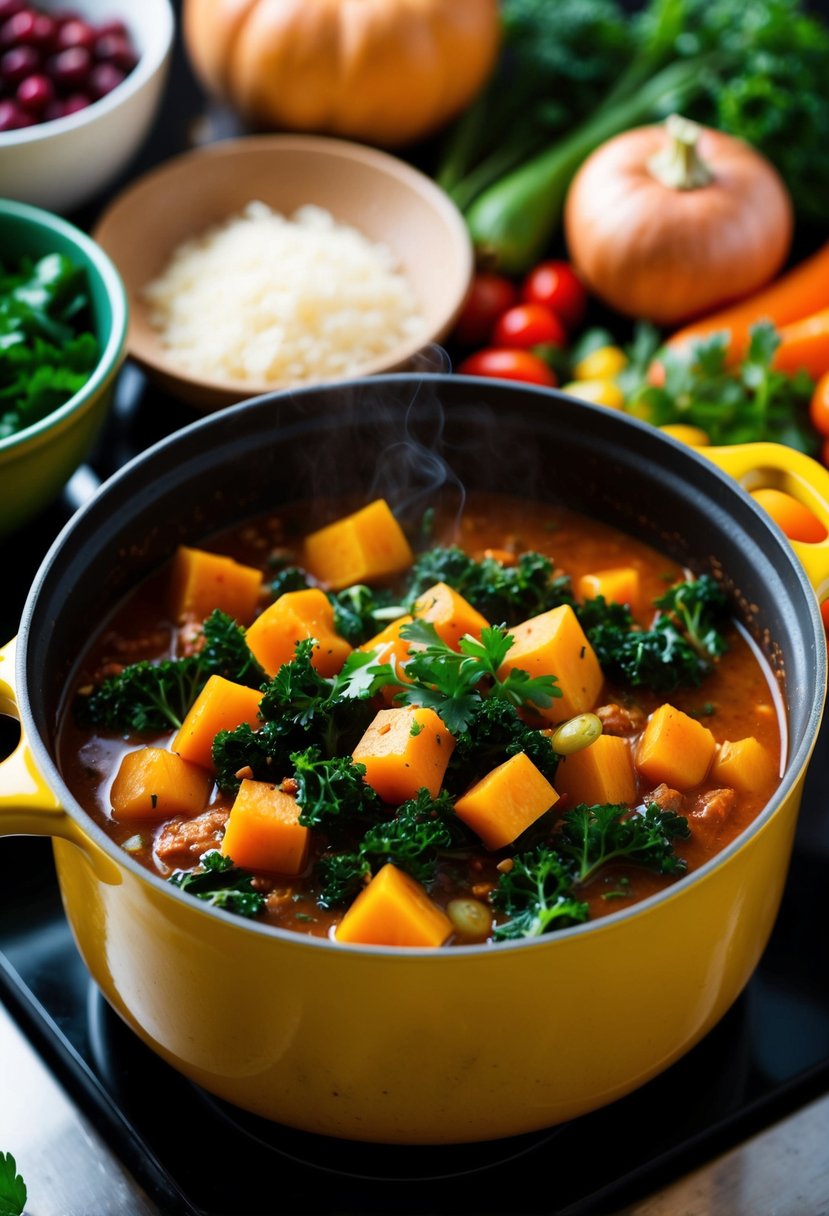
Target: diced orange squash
column 600, row 773
column 294, row 616
column 744, row 765
column 202, row 581
column 506, row 801
column 152, row 783
column 394, row 910
column 451, row 615
column 674, row 748
column 554, row 644
column 263, row 831
column 618, row 585
column 404, row 750
column 391, row 648
column 365, row 547
column 221, row 705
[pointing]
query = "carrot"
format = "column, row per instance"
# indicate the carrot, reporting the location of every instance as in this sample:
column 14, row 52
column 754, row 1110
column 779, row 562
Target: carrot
column 804, row 345
column 800, row 292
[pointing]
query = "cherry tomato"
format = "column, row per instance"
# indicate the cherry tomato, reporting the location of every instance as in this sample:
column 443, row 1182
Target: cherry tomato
column 819, row 406
column 528, row 325
column 489, row 295
column 556, row 285
column 502, row 363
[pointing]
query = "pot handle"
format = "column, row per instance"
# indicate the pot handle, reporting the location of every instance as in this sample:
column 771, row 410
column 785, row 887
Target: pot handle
column 27, row 805
column 756, row 465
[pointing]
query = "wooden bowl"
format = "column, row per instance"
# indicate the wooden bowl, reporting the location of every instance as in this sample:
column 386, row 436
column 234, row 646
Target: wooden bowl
column 384, row 198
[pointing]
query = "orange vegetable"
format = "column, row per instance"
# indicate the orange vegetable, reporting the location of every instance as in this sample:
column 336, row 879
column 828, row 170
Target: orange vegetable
column 394, row 910
column 221, row 705
column 365, row 547
column 405, row 749
column 791, row 515
column 619, row 585
column 744, row 765
column 451, row 615
column 152, row 783
column 600, row 773
column 804, row 345
column 674, row 748
column 391, row 648
column 798, row 293
column 389, row 73
column 263, row 831
column 294, row 616
column 202, row 581
column 668, row 221
column 554, row 643
column 506, row 801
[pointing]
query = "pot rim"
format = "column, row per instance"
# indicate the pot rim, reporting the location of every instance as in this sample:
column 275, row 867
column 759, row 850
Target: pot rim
column 794, row 768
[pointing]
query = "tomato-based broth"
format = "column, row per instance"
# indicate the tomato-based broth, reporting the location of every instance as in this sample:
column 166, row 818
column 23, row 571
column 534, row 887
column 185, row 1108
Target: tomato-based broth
column 489, row 728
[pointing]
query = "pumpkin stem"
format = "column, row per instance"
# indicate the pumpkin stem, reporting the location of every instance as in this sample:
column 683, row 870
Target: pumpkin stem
column 678, row 164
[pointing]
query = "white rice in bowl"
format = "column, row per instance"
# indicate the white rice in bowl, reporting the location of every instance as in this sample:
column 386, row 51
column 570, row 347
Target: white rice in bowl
column 268, row 299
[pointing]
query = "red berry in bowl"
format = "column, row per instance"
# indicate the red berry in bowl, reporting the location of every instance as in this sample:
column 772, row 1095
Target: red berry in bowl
column 12, row 117
column 9, row 7
column 35, row 93
column 103, row 78
column 70, row 68
column 18, row 63
column 75, row 33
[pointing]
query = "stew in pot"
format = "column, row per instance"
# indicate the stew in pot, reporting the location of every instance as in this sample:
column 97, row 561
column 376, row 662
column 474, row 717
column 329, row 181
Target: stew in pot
column 504, row 725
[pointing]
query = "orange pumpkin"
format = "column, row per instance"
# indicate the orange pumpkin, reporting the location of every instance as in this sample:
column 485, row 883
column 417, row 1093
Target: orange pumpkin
column 385, row 72
column 669, row 222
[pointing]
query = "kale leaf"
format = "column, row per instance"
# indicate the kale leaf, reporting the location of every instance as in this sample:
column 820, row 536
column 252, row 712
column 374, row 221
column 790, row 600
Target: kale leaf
column 591, row 836
column 503, row 593
column 333, row 792
column 493, row 733
column 536, row 896
column 221, row 883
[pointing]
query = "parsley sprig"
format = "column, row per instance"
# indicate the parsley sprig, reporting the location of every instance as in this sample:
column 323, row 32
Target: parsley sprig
column 12, row 1187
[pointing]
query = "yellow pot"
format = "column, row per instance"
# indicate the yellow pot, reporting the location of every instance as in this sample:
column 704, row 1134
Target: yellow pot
column 409, row 1047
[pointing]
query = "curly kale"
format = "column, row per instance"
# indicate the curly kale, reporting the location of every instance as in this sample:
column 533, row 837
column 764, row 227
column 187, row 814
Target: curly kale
column 493, row 734
column 536, row 896
column 507, row 594
column 218, row 881
column 589, row 837
column 333, row 792
column 155, row 696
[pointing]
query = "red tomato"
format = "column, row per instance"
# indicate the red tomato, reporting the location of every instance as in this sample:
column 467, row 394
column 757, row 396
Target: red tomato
column 819, row 406
column 556, row 285
column 528, row 325
column 505, row 364
column 489, row 296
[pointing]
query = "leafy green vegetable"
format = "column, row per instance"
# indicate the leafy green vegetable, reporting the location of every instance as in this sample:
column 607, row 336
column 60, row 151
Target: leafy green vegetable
column 501, row 593
column 453, row 682
column 218, row 881
column 47, row 348
column 12, row 1187
column 264, row 753
column 332, row 792
column 757, row 70
column 147, row 696
column 536, row 895
column 589, row 837
column 744, row 404
column 359, row 611
column 678, row 650
column 493, row 733
column 412, row 839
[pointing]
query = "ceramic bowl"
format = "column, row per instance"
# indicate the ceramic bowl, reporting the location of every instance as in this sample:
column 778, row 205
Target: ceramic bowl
column 387, row 200
column 36, row 462
column 61, row 165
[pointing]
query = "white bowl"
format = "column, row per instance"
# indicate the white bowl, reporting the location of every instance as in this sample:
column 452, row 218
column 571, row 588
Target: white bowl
column 62, row 164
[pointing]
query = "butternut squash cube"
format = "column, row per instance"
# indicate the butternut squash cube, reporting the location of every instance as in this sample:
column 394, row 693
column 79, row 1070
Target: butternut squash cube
column 263, row 831
column 221, row 705
column 394, row 910
column 506, row 801
column 152, row 783
column 618, row 585
column 744, row 765
column 202, row 581
column 294, row 616
column 554, row 644
column 674, row 748
column 392, row 649
column 365, row 547
column 405, row 749
column 451, row 615
column 600, row 773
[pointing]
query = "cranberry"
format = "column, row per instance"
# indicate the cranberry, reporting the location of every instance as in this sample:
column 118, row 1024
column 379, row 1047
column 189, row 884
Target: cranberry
column 34, row 93
column 114, row 26
column 75, row 33
column 17, row 63
column 44, row 31
column 103, row 78
column 70, row 68
column 9, row 7
column 75, row 102
column 12, row 118
column 21, row 27
column 115, row 48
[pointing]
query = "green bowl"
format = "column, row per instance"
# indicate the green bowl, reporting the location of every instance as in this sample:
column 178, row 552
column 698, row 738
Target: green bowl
column 36, row 463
